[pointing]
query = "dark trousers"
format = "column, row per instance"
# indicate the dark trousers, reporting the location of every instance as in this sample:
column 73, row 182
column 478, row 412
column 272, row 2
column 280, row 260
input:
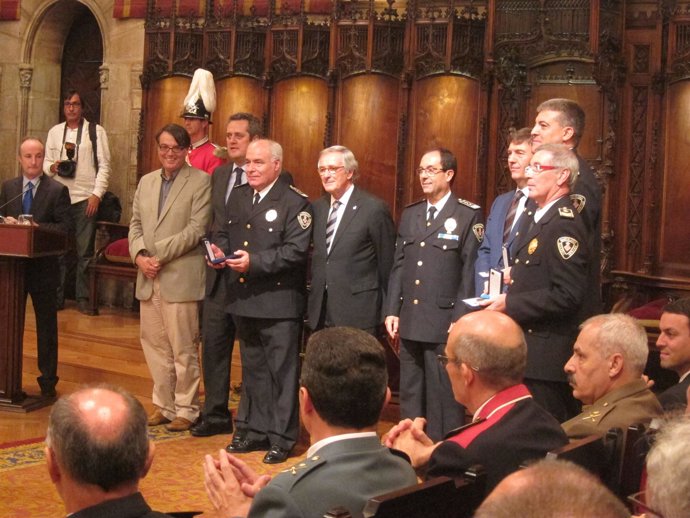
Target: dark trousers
column 45, row 308
column 218, row 331
column 425, row 389
column 84, row 236
column 325, row 319
column 269, row 349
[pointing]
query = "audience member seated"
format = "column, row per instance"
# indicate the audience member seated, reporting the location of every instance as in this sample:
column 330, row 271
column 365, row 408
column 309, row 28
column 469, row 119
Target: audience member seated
column 668, row 471
column 605, row 372
column 485, row 358
column 552, row 489
column 343, row 390
column 97, row 451
column 674, row 351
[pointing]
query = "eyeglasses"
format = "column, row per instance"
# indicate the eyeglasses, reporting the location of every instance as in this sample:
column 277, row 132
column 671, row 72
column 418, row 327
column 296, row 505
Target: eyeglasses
column 68, row 104
column 429, row 171
column 445, row 360
column 330, row 170
column 638, row 499
column 166, row 149
column 538, row 168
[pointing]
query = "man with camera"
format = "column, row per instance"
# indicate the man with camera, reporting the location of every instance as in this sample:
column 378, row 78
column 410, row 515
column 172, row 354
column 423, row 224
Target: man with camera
column 77, row 155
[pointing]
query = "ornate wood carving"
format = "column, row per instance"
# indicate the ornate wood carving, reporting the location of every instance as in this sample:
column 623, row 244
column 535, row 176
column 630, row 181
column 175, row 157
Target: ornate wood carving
column 637, row 166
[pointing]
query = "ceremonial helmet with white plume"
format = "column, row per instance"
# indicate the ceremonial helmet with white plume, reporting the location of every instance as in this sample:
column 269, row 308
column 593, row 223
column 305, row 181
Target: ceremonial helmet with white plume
column 201, row 98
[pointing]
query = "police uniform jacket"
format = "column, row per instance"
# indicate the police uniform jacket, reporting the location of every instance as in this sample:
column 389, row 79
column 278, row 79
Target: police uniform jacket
column 632, row 403
column 548, row 290
column 510, row 430
column 433, row 268
column 343, row 473
column 355, row 271
column 276, row 233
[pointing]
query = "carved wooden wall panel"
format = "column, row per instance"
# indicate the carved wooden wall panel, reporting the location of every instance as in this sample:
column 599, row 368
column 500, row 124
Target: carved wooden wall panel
column 368, row 124
column 674, row 242
column 163, row 105
column 444, row 112
column 236, row 94
column 298, row 118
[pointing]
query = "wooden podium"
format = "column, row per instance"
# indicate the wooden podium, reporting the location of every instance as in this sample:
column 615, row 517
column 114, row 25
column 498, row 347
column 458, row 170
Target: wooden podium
column 19, row 243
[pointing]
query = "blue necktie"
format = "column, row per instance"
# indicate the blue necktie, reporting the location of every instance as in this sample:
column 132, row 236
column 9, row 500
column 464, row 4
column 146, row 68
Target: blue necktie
column 28, row 198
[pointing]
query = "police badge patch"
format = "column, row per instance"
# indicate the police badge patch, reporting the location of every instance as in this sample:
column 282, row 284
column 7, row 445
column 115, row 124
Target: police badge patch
column 578, row 201
column 478, row 230
column 567, row 246
column 304, row 220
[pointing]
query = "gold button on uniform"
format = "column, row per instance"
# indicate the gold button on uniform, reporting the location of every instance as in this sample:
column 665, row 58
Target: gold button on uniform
column 249, row 225
column 417, row 282
column 422, row 243
column 246, row 243
column 415, row 301
column 420, row 263
column 241, row 280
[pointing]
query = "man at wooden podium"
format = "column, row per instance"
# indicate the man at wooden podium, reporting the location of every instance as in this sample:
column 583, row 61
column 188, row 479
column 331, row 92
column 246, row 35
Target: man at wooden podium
column 48, row 202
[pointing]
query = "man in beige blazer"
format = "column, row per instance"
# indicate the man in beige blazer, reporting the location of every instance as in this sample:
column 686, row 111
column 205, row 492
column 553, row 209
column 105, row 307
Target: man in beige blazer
column 171, row 213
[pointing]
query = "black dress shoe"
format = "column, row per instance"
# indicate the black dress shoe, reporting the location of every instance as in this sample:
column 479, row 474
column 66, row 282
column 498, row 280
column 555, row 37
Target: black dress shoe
column 239, row 436
column 276, row 455
column 207, row 429
column 247, row 445
column 48, row 392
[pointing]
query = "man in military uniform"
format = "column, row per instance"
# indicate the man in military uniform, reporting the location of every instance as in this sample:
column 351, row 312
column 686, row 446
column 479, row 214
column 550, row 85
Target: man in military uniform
column 265, row 239
column 562, row 121
column 549, row 277
column 485, row 359
column 344, row 368
column 433, row 271
column 199, row 105
column 605, row 372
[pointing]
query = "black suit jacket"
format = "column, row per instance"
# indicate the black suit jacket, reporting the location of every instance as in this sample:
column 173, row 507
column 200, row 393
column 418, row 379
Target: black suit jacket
column 219, row 184
column 433, row 269
column 357, row 268
column 675, row 398
column 50, row 209
column 276, row 233
column 132, row 506
column 548, row 290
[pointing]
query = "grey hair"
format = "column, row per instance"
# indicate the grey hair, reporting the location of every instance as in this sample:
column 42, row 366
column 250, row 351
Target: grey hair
column 562, row 157
column 668, row 470
column 349, row 161
column 619, row 333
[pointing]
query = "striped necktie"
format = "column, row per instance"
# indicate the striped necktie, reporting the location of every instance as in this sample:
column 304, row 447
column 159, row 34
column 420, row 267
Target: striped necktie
column 510, row 217
column 330, row 224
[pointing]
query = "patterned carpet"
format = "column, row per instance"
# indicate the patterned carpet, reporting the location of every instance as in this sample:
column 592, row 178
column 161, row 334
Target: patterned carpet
column 175, row 482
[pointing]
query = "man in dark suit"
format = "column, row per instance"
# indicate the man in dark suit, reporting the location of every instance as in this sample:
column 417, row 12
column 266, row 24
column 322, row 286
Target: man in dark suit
column 48, row 202
column 266, row 239
column 97, row 450
column 674, row 351
column 548, row 281
column 354, row 241
column 343, row 390
column 502, row 223
column 433, row 271
column 485, row 359
column 218, row 328
column 562, row 121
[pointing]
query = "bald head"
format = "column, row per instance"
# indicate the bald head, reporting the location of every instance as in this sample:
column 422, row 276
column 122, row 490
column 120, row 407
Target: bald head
column 99, row 437
column 493, row 345
column 551, row 489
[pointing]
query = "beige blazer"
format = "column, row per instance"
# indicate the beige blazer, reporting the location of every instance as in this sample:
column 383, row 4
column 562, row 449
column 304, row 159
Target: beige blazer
column 174, row 236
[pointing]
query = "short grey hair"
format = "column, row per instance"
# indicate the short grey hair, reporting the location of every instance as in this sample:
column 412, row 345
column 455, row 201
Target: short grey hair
column 668, row 470
column 349, row 161
column 623, row 334
column 562, row 157
column 497, row 366
column 553, row 489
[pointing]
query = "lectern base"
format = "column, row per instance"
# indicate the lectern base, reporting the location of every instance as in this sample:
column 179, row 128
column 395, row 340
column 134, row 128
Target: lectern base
column 26, row 404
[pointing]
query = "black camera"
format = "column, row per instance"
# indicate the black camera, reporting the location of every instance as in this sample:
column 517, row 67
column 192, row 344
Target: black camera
column 67, row 168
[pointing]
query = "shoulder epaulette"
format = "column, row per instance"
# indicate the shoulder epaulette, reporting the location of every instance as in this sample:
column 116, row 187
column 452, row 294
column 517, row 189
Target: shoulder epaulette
column 566, row 212
column 298, row 191
column 415, row 203
column 469, row 204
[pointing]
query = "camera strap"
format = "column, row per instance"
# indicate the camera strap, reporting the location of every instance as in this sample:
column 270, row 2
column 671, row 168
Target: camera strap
column 64, row 137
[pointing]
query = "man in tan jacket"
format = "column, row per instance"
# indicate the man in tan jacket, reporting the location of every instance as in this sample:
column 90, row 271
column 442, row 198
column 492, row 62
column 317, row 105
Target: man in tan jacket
column 171, row 212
